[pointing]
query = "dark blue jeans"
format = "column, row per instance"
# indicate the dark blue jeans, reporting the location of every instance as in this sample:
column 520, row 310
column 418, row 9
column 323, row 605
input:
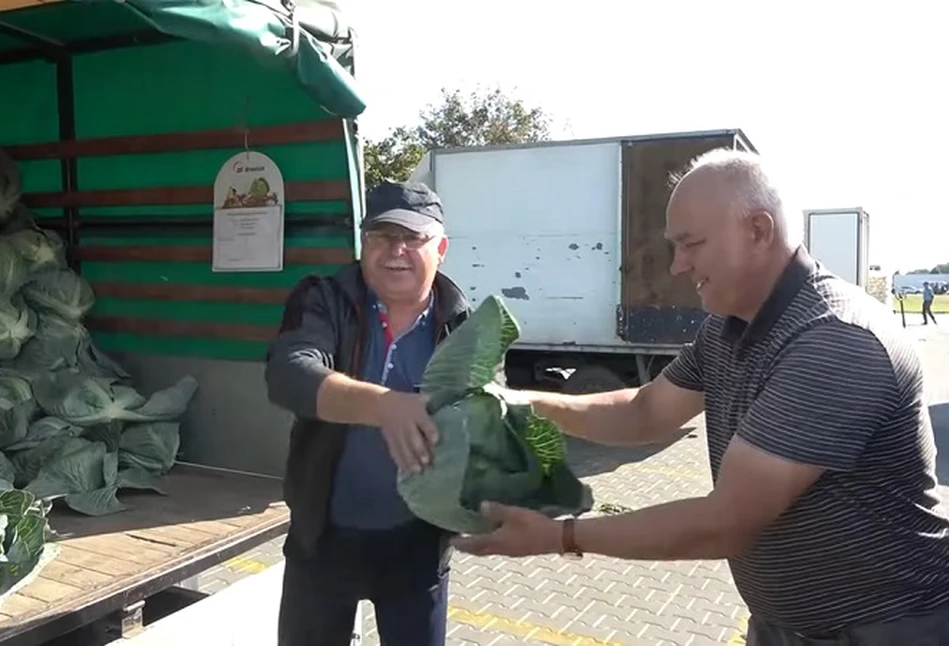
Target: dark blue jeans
column 403, row 572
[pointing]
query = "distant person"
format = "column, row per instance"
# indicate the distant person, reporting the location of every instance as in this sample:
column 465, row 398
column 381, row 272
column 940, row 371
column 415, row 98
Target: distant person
column 347, row 363
column 825, row 499
column 928, row 297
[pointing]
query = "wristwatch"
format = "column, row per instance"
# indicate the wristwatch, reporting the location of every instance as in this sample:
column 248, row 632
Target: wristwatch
column 568, row 546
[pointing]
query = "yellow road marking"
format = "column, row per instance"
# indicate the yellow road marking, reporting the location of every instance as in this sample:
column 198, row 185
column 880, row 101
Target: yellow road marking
column 241, row 564
column 523, row 629
column 738, row 639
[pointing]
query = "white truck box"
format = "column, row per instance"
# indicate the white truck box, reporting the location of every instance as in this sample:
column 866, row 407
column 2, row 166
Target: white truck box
column 571, row 235
column 839, row 239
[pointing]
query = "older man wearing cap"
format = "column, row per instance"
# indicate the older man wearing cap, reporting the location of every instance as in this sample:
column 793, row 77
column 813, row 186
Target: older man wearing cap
column 347, row 363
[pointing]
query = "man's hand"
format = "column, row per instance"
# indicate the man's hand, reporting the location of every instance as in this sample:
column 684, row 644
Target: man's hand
column 408, row 430
column 520, row 532
column 513, row 397
column 626, row 417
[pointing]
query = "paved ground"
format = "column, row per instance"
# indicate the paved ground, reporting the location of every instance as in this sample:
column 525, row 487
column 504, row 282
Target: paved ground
column 607, row 602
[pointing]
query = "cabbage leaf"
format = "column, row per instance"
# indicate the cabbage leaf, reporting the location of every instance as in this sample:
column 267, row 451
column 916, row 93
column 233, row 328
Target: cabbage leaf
column 62, row 292
column 7, row 473
column 489, row 448
column 41, row 430
column 17, row 407
column 26, row 545
column 84, row 473
column 91, row 401
column 151, row 447
column 17, row 326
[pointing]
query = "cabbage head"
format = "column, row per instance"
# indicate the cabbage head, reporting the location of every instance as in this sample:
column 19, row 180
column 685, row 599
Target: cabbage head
column 55, row 345
column 93, row 401
column 84, row 473
column 489, row 448
column 14, row 270
column 17, row 407
column 62, row 292
column 40, row 250
column 17, row 325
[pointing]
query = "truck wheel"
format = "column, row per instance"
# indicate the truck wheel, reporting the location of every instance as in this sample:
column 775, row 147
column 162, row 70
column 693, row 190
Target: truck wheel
column 592, row 379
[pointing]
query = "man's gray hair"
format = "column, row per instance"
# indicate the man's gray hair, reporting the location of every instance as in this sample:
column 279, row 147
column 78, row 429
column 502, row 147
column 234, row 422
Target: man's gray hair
column 757, row 187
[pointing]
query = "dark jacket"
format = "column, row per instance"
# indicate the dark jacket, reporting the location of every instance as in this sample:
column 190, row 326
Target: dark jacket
column 322, row 331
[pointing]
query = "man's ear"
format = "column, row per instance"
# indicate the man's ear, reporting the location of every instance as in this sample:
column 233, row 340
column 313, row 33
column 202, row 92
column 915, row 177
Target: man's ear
column 442, row 248
column 762, row 227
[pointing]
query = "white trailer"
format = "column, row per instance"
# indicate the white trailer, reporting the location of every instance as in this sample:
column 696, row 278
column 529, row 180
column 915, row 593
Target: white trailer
column 839, row 239
column 571, row 234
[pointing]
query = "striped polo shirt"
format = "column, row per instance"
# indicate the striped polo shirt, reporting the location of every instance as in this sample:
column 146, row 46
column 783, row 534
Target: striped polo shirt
column 824, row 375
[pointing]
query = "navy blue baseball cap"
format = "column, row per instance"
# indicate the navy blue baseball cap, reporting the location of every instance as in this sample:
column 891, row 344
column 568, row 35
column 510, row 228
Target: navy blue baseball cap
column 411, row 205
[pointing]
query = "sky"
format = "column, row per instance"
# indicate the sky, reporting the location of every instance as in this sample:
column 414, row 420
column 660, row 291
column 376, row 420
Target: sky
column 847, row 98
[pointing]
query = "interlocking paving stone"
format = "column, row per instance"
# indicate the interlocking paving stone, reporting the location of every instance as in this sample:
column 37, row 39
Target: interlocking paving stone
column 609, row 602
column 601, row 600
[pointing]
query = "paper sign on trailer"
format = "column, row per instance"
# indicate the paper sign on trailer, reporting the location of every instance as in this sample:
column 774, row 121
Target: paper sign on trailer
column 248, row 215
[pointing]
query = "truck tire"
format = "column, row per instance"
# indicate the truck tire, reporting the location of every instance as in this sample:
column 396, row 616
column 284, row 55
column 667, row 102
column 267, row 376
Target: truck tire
column 592, row 379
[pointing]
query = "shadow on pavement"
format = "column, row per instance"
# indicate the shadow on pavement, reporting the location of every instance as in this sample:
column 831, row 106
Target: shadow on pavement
column 589, row 459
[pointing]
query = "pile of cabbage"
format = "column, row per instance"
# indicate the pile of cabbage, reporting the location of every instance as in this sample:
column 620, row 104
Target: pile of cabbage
column 72, row 425
column 491, row 447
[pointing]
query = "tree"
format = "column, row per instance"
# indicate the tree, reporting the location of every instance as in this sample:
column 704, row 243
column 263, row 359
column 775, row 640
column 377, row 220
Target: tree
column 475, row 119
column 942, row 268
column 394, row 157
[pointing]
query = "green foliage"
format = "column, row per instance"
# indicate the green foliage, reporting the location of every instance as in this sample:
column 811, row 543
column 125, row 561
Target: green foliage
column 478, row 118
column 491, row 447
column 393, row 158
column 24, row 539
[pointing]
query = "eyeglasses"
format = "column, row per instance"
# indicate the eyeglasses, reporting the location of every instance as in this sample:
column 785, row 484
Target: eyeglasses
column 413, row 241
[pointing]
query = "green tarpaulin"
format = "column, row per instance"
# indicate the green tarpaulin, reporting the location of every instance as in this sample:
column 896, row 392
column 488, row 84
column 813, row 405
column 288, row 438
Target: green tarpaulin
column 312, row 38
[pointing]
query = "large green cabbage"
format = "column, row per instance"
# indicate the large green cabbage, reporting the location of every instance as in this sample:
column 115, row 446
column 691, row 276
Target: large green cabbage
column 29, row 254
column 55, row 345
column 17, row 407
column 17, row 325
column 62, row 292
column 91, row 401
column 489, row 448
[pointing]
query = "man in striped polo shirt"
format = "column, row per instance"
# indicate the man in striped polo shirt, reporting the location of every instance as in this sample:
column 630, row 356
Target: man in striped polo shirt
column 825, row 498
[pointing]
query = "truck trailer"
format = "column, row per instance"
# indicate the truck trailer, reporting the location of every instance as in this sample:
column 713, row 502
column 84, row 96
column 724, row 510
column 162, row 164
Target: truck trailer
column 119, row 117
column 840, row 240
column 571, row 235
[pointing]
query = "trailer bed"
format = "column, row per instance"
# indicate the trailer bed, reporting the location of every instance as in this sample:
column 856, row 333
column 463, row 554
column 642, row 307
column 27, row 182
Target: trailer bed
column 107, row 563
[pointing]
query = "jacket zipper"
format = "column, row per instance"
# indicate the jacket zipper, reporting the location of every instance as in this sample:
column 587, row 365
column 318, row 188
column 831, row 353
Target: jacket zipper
column 356, row 357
